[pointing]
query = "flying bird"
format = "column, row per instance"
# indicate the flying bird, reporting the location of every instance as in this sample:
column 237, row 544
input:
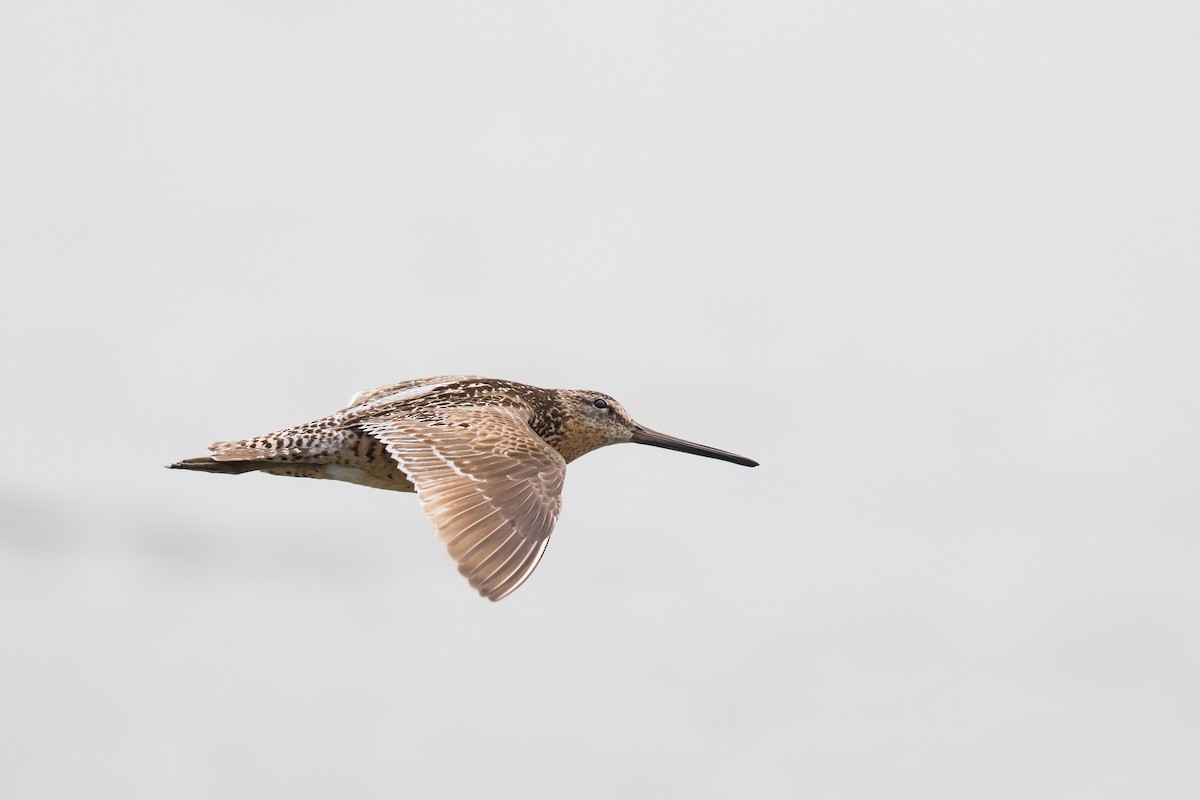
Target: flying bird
column 486, row 457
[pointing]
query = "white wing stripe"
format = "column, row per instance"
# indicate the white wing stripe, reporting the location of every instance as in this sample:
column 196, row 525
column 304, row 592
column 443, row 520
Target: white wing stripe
column 394, row 397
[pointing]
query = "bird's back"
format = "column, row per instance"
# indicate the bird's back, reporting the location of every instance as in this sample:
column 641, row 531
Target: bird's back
column 335, row 447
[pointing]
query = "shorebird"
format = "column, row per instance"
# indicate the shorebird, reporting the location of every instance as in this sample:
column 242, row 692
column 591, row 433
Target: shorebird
column 486, row 458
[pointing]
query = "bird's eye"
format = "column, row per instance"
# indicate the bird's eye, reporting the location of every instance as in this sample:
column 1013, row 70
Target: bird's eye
column 600, row 402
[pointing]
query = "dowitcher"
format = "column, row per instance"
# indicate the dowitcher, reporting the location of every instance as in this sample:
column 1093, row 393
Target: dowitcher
column 486, row 458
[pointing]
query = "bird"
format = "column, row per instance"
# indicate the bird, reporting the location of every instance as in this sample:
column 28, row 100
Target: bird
column 486, row 458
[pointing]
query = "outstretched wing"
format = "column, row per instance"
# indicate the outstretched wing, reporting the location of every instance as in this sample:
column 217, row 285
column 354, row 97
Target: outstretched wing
column 489, row 484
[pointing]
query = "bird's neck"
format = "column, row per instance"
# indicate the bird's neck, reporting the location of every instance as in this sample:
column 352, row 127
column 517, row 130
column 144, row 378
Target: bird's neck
column 574, row 439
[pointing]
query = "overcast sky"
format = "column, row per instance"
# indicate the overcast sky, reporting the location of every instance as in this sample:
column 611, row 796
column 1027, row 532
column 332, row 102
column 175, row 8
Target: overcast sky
column 933, row 264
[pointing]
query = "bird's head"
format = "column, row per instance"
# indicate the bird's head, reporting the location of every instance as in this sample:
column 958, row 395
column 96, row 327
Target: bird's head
column 594, row 419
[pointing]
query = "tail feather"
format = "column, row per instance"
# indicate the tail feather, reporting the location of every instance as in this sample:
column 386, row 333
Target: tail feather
column 210, row 464
column 237, row 451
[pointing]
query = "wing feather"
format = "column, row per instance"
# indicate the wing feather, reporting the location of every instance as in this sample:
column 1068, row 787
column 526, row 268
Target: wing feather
column 520, row 574
column 489, row 484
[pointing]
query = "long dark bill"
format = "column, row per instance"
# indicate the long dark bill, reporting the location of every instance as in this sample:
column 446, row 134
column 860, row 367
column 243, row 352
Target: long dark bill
column 655, row 439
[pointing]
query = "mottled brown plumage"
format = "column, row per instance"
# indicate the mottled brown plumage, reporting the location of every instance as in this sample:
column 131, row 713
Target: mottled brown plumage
column 486, row 457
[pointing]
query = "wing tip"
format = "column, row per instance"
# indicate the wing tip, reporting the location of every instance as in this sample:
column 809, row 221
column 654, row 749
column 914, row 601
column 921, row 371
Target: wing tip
column 515, row 579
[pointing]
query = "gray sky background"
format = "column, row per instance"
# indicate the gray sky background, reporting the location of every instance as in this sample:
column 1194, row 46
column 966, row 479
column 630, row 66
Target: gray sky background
column 933, row 264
